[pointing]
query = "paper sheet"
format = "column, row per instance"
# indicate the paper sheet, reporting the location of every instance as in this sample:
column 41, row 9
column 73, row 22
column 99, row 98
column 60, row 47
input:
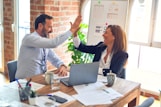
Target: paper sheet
column 80, row 89
column 19, row 104
column 93, row 98
column 96, row 93
column 14, row 85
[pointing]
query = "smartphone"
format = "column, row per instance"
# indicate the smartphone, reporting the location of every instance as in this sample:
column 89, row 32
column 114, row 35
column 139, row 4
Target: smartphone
column 58, row 99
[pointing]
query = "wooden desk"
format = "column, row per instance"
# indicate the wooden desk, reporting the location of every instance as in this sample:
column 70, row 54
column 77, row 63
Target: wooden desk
column 130, row 91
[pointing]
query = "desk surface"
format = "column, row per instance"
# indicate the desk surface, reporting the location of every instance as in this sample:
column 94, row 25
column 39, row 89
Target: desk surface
column 129, row 89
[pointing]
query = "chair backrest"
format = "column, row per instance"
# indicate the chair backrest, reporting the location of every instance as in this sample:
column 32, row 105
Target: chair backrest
column 147, row 103
column 12, row 68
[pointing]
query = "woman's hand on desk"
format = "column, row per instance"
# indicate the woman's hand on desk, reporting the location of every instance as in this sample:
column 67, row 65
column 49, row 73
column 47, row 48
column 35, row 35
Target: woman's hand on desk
column 62, row 70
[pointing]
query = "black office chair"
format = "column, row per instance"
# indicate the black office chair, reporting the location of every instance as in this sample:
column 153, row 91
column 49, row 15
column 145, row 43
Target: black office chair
column 12, row 68
column 147, row 103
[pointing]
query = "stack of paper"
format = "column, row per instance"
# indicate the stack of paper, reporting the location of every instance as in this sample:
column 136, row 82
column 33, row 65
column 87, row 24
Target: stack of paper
column 96, row 93
column 14, row 85
column 18, row 104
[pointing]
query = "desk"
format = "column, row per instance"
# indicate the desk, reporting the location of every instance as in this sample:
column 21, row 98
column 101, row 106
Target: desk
column 130, row 91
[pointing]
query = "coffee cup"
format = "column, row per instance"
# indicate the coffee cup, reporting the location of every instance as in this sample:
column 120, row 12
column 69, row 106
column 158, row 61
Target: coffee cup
column 49, row 77
column 111, row 78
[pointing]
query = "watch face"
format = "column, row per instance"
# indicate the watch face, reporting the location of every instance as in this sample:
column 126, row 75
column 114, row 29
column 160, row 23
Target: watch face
column 141, row 1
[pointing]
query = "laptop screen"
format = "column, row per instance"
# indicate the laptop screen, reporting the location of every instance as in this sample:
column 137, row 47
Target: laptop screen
column 83, row 73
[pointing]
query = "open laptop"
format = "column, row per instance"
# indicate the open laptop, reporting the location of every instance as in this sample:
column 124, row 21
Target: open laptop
column 82, row 74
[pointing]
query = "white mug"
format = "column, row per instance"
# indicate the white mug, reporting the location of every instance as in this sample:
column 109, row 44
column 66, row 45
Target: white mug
column 49, row 77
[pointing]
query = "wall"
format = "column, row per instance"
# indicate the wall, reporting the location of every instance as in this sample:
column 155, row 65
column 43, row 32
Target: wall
column 8, row 34
column 63, row 12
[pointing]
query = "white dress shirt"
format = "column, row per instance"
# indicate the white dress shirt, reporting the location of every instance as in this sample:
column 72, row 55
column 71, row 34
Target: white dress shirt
column 32, row 58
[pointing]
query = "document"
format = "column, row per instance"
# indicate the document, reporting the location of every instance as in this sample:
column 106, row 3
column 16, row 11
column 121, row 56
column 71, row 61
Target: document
column 14, row 85
column 95, row 93
column 18, row 104
column 93, row 98
column 86, row 88
column 8, row 95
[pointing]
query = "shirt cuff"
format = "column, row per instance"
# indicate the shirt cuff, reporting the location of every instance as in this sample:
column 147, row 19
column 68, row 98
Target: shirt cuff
column 63, row 65
column 76, row 41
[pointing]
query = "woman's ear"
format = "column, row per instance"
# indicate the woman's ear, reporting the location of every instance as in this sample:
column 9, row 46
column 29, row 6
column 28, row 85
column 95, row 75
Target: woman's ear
column 113, row 37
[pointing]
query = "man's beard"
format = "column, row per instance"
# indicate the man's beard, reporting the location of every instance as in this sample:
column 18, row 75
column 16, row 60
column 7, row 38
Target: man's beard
column 44, row 34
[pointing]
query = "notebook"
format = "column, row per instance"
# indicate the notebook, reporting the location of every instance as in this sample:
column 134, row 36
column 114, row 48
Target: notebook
column 82, row 74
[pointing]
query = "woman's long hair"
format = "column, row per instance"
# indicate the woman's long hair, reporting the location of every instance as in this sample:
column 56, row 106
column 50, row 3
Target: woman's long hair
column 120, row 43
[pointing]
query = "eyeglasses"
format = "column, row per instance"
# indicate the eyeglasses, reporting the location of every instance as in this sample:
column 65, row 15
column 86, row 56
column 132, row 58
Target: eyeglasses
column 43, row 61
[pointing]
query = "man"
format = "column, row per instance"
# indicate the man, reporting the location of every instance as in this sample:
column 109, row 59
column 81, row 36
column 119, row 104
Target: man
column 36, row 48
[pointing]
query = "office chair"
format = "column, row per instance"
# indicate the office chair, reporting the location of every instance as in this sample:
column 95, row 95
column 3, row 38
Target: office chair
column 12, row 68
column 147, row 103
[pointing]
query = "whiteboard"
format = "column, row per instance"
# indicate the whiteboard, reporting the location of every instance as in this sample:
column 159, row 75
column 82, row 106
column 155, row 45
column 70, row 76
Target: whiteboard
column 104, row 13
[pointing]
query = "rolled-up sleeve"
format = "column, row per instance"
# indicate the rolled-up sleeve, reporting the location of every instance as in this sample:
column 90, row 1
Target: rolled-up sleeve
column 76, row 42
column 54, row 59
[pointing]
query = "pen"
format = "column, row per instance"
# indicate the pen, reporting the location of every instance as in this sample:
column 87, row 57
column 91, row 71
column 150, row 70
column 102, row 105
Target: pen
column 44, row 95
column 19, row 84
column 105, row 90
column 49, row 95
column 27, row 84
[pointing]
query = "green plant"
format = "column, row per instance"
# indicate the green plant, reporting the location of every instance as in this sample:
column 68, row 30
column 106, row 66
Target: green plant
column 77, row 56
column 32, row 94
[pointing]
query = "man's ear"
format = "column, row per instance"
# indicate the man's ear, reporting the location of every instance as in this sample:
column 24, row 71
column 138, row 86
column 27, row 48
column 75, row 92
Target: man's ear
column 40, row 25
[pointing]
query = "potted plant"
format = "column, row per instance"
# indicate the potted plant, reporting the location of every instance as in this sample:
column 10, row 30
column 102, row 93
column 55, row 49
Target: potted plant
column 32, row 94
column 32, row 97
column 77, row 56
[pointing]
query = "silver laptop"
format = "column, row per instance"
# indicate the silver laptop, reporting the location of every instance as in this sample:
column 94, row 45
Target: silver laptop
column 82, row 74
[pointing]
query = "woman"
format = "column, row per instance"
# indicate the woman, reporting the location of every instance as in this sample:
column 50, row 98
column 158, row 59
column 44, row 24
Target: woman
column 111, row 53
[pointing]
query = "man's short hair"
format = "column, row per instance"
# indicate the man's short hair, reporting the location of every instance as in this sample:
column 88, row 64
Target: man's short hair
column 41, row 19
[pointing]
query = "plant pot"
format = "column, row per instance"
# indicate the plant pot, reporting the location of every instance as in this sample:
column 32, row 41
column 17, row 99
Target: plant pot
column 32, row 100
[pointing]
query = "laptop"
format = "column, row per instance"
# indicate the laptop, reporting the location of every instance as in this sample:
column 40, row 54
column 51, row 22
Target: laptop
column 82, row 74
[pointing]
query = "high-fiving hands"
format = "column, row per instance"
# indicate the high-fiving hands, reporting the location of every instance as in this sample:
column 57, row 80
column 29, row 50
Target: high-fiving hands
column 76, row 25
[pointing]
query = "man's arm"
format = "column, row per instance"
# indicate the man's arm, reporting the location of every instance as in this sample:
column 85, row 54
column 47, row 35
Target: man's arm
column 34, row 40
column 76, row 25
column 57, row 62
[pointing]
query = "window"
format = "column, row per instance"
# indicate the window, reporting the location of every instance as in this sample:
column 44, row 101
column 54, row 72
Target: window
column 86, row 11
column 143, row 33
column 22, row 21
column 157, row 35
column 140, row 21
column 144, row 40
column 1, row 36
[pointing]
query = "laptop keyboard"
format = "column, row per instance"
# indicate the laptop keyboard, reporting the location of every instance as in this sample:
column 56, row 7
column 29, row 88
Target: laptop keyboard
column 65, row 79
